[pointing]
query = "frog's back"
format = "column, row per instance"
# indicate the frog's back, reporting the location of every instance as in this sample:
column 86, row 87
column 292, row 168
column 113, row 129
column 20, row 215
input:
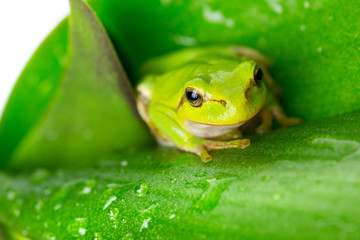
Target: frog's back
column 174, row 60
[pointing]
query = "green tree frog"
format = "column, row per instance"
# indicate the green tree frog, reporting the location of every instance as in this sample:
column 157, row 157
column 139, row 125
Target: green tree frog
column 201, row 99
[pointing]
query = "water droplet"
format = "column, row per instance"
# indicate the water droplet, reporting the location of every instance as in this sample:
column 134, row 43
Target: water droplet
column 200, row 174
column 88, row 186
column 82, row 231
column 11, row 195
column 128, row 236
column 39, row 175
column 114, row 213
column 306, row 4
column 213, row 189
column 98, row 236
column 112, row 192
column 184, row 41
column 123, row 220
column 173, row 180
column 216, row 16
column 86, row 190
column 142, row 189
column 107, row 204
column 57, row 207
column 146, row 215
column 347, row 149
column 48, row 236
column 78, row 227
column 16, row 212
column 172, row 216
column 124, row 163
column 275, row 6
column 145, row 224
column 302, row 27
column 277, row 196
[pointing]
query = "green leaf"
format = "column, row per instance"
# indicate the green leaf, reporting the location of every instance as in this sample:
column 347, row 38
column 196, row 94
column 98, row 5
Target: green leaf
column 91, row 111
column 301, row 182
column 33, row 91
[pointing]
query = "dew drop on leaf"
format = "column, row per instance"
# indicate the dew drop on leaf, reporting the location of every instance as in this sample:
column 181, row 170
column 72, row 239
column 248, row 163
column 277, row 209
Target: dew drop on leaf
column 48, row 236
column 107, row 204
column 11, row 195
column 98, row 236
column 78, row 227
column 142, row 189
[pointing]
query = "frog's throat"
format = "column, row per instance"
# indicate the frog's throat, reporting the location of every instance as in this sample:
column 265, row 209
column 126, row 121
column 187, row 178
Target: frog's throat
column 210, row 130
column 216, row 124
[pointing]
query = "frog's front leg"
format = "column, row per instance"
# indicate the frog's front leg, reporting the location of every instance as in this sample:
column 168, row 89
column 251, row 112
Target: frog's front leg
column 169, row 126
column 235, row 134
column 216, row 145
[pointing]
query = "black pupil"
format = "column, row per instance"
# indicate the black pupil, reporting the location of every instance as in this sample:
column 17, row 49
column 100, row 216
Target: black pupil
column 192, row 96
column 259, row 75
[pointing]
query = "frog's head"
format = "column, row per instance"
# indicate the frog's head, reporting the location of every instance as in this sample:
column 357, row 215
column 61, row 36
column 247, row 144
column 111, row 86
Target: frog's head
column 223, row 92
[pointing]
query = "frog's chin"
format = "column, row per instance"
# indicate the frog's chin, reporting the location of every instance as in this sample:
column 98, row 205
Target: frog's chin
column 206, row 130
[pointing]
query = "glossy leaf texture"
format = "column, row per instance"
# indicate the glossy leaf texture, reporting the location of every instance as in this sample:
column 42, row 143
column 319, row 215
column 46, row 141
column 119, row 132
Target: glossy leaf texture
column 33, row 91
column 81, row 116
column 296, row 183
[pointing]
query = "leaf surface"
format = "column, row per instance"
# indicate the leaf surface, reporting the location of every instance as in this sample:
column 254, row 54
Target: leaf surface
column 92, row 112
column 296, row 183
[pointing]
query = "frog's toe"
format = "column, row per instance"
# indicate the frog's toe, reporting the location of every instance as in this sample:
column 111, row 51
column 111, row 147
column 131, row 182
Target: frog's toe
column 284, row 120
column 262, row 129
column 205, row 157
column 216, row 145
column 291, row 121
column 240, row 143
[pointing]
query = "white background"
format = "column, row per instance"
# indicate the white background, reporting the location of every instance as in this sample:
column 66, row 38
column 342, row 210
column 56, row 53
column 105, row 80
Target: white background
column 23, row 26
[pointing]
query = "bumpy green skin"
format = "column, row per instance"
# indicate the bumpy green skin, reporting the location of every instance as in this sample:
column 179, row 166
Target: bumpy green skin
column 228, row 91
column 306, row 188
column 215, row 71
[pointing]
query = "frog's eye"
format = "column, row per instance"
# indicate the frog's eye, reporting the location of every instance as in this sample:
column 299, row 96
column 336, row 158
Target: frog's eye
column 258, row 76
column 193, row 96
